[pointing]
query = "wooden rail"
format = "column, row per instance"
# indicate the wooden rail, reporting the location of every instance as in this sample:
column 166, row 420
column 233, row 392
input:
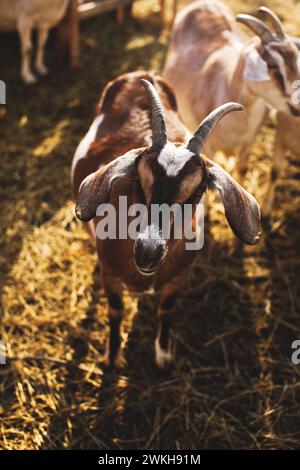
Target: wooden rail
column 89, row 9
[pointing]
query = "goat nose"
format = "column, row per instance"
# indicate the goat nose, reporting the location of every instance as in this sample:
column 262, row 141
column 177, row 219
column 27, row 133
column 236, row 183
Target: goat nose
column 148, row 254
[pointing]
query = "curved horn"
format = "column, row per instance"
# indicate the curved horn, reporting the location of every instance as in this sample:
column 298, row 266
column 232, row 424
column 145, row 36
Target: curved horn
column 257, row 27
column 207, row 125
column 275, row 21
column 159, row 132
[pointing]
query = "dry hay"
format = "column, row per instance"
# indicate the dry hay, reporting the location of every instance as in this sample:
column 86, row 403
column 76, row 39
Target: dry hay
column 233, row 384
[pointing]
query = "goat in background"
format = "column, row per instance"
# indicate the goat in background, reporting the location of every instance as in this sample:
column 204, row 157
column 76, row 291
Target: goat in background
column 210, row 63
column 24, row 16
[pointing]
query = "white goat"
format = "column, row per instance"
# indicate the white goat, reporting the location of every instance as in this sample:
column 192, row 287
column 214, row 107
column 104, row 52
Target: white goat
column 26, row 15
column 210, row 63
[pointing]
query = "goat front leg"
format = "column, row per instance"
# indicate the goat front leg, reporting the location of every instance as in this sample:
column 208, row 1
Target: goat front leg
column 278, row 164
column 113, row 290
column 40, row 66
column 165, row 311
column 25, row 31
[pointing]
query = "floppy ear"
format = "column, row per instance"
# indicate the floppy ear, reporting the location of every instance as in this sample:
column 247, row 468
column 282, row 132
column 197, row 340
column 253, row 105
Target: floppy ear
column 95, row 188
column 241, row 208
column 256, row 68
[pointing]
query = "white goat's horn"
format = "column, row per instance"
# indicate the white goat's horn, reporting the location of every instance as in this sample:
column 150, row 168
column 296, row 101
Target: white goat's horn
column 274, row 20
column 257, row 27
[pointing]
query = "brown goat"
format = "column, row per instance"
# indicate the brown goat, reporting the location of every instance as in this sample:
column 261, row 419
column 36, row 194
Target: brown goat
column 126, row 153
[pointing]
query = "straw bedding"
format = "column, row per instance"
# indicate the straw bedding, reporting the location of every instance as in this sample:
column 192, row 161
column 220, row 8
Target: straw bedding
column 233, row 384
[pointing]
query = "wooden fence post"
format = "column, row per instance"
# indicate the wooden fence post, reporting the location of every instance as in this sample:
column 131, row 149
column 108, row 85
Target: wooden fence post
column 67, row 36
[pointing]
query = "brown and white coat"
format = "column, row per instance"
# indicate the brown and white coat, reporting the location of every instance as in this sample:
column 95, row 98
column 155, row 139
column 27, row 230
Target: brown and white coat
column 138, row 147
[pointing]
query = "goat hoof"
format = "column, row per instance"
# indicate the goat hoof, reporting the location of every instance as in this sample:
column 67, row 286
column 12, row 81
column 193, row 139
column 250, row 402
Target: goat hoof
column 42, row 70
column 118, row 361
column 29, row 79
column 163, row 357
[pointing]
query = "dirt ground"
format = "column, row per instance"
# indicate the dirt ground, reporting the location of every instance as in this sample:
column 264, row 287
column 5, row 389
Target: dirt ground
column 233, row 385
